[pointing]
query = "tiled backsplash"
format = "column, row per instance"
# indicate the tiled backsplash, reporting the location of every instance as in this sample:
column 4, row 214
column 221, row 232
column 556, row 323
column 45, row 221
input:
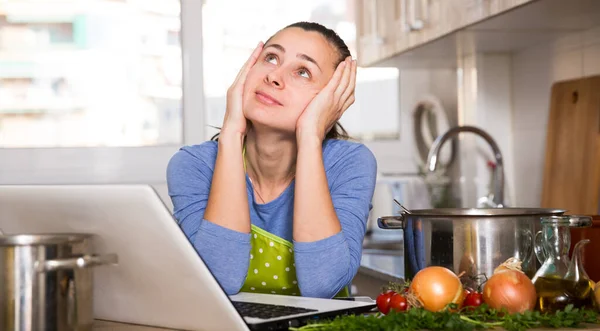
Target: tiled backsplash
column 534, row 70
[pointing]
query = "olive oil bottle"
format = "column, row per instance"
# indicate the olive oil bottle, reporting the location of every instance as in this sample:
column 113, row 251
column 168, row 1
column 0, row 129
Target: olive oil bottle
column 561, row 281
column 556, row 293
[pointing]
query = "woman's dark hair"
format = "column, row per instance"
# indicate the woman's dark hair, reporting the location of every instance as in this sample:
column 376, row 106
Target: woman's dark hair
column 337, row 131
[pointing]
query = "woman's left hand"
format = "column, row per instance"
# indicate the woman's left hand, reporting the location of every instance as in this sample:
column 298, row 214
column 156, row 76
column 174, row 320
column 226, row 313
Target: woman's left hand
column 328, row 106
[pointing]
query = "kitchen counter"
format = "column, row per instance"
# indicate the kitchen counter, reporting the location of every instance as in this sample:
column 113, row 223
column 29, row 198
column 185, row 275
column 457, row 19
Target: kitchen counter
column 382, row 258
column 378, row 266
column 382, row 265
column 382, row 262
column 112, row 326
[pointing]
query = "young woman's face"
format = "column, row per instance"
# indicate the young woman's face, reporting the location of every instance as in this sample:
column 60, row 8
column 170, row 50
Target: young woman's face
column 292, row 68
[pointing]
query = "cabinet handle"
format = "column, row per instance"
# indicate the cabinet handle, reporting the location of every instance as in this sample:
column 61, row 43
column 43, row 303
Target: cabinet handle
column 414, row 23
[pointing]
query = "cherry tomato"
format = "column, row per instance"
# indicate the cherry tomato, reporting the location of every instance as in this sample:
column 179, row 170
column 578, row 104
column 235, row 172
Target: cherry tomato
column 398, row 302
column 383, row 301
column 473, row 299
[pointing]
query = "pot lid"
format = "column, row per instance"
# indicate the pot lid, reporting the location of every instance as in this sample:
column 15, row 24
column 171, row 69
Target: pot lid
column 42, row 239
column 486, row 212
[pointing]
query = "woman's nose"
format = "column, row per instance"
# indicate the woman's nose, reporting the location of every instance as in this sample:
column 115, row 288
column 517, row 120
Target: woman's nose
column 274, row 79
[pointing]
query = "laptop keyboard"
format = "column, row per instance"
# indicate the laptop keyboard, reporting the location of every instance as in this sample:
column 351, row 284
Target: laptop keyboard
column 266, row 311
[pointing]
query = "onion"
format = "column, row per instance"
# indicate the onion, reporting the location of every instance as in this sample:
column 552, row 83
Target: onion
column 510, row 289
column 436, row 287
column 511, row 264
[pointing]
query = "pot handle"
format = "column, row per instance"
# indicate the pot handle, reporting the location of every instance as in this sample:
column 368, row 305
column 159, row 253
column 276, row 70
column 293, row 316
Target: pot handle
column 391, row 222
column 85, row 261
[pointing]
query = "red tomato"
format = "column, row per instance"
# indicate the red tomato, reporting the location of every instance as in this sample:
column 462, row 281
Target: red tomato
column 473, row 299
column 398, row 302
column 383, row 301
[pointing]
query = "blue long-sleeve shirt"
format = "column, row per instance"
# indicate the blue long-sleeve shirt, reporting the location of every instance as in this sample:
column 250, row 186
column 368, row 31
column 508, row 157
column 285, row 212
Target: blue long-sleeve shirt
column 323, row 267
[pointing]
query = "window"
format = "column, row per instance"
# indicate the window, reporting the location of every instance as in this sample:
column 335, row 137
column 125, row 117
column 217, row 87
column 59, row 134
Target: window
column 231, row 29
column 90, row 73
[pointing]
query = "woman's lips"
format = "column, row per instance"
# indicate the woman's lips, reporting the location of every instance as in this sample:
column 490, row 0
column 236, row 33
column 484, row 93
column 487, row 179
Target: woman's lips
column 267, row 99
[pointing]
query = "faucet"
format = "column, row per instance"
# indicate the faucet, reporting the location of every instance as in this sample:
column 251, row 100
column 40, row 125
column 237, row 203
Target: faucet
column 497, row 198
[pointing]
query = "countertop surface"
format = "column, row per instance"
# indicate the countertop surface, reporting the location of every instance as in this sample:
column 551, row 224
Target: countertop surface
column 112, row 326
column 382, row 265
column 383, row 258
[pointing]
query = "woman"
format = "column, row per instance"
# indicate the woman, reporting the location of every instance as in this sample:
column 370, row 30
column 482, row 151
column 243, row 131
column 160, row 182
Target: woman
column 279, row 203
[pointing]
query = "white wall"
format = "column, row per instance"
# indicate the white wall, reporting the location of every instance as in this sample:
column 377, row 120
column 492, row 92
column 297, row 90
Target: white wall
column 485, row 102
column 398, row 156
column 534, row 70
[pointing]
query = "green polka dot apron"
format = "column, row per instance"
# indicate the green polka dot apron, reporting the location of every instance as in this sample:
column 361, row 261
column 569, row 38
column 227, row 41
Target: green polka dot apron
column 272, row 268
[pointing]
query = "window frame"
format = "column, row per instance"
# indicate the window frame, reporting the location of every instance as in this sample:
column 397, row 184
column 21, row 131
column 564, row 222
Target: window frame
column 146, row 164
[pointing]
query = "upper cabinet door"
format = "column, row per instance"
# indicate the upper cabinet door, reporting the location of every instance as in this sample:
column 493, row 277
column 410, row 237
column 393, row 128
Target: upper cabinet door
column 416, row 22
column 471, row 11
column 389, row 27
column 375, row 35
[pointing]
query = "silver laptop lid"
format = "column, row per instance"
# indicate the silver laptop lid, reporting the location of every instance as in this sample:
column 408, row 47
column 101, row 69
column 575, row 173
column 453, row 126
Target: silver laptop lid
column 160, row 279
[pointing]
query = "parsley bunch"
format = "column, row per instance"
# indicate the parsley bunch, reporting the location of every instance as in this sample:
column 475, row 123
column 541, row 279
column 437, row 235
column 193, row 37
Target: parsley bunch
column 480, row 318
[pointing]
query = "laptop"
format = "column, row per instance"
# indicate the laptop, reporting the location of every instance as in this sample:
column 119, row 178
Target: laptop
column 160, row 280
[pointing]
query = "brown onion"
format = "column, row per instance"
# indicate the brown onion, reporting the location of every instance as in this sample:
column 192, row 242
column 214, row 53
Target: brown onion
column 511, row 290
column 436, row 287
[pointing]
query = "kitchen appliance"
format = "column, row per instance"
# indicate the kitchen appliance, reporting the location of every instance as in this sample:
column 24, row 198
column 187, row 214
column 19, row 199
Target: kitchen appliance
column 475, row 241
column 46, row 281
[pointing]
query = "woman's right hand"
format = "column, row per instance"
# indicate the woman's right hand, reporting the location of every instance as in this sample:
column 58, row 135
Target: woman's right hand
column 234, row 120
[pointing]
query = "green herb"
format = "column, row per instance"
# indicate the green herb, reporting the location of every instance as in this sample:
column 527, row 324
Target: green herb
column 480, row 318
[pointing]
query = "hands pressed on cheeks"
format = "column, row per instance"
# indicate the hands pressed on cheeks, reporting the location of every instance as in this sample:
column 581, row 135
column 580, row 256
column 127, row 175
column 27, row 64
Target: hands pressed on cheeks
column 330, row 103
column 234, row 120
column 321, row 114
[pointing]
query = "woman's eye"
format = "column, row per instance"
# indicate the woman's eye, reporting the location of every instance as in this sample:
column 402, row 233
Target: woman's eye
column 304, row 73
column 271, row 58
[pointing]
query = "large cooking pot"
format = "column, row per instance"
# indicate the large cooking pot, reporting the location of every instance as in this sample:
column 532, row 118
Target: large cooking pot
column 475, row 241
column 46, row 282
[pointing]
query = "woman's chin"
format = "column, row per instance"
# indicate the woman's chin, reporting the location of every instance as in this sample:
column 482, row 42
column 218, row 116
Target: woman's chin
column 269, row 125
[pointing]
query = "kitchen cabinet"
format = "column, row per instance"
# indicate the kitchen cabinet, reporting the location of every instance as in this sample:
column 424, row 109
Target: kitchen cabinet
column 389, row 27
column 421, row 20
column 375, row 30
column 386, row 27
column 472, row 11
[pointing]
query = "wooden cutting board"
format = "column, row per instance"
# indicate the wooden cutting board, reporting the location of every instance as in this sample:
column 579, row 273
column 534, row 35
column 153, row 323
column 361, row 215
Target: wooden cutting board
column 572, row 165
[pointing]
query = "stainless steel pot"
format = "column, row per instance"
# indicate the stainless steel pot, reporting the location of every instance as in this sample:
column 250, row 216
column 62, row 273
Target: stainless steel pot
column 475, row 241
column 46, row 282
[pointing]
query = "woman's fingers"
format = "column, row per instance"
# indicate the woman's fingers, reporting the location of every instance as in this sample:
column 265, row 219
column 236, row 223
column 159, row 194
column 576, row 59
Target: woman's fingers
column 241, row 76
column 335, row 79
column 351, row 85
column 344, row 81
column 347, row 103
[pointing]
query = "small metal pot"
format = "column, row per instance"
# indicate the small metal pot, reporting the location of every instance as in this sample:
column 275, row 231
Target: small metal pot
column 46, row 281
column 475, row 241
